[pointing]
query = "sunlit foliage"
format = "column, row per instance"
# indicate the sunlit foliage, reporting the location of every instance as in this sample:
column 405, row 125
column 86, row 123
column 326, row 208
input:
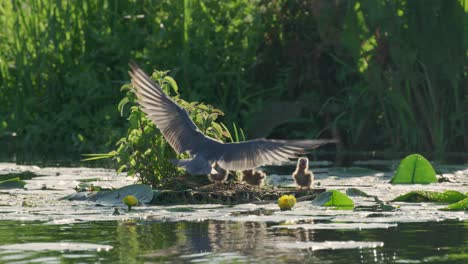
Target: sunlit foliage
column 144, row 152
column 379, row 74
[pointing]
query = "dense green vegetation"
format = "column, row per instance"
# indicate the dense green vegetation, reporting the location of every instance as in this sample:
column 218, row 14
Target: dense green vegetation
column 144, row 152
column 379, row 74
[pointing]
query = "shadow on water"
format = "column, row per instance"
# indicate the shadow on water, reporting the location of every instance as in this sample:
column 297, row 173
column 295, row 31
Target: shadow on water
column 227, row 242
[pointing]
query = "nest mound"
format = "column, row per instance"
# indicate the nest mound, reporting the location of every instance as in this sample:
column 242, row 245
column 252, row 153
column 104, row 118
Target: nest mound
column 229, row 193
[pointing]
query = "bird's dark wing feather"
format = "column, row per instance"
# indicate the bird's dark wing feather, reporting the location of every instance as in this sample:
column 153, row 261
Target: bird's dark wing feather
column 254, row 153
column 173, row 121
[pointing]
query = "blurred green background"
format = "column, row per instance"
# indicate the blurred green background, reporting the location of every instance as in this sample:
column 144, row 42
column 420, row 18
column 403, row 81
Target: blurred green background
column 385, row 76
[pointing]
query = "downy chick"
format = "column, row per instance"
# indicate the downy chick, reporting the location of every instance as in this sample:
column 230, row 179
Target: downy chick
column 254, row 177
column 220, row 176
column 302, row 176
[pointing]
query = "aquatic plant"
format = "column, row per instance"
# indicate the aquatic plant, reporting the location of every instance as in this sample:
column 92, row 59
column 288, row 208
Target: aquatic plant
column 414, row 169
column 286, row 202
column 144, row 152
column 431, row 196
column 334, row 198
column 356, row 192
column 458, row 206
column 116, row 211
column 13, row 183
column 130, row 201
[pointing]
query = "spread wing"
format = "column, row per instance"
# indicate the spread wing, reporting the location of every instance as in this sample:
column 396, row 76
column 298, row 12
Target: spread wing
column 254, row 153
column 183, row 135
column 173, row 121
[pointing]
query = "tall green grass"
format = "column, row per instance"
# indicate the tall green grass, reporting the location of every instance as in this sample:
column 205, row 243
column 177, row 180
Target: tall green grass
column 412, row 67
column 388, row 75
column 63, row 63
column 382, row 75
column 61, row 72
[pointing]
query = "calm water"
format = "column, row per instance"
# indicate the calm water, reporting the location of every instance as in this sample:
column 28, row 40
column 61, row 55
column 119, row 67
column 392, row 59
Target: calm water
column 36, row 226
column 231, row 242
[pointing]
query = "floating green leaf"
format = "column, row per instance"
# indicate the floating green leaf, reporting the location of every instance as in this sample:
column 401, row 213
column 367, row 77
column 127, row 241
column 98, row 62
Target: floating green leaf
column 15, row 183
column 88, row 179
column 356, row 192
column 334, row 198
column 414, row 169
column 429, row 196
column 181, row 209
column 143, row 193
column 24, row 175
column 458, row 206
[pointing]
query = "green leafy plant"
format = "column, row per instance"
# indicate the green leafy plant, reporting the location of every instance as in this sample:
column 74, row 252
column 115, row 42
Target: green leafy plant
column 429, row 196
column 14, row 183
column 458, row 206
column 335, row 199
column 358, row 69
column 414, row 169
column 144, row 152
column 238, row 133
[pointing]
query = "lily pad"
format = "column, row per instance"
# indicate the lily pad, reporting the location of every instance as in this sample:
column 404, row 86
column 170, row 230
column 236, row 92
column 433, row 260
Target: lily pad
column 414, row 169
column 356, row 192
column 379, row 206
column 14, row 183
column 24, row 175
column 142, row 192
column 181, row 210
column 458, row 206
column 429, row 196
column 88, row 180
column 334, row 198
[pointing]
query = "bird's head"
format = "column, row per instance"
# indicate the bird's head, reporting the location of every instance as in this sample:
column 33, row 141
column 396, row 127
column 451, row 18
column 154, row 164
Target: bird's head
column 303, row 163
column 260, row 174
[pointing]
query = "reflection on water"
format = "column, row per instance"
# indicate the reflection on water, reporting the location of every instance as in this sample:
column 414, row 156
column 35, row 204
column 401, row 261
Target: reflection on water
column 78, row 231
column 236, row 242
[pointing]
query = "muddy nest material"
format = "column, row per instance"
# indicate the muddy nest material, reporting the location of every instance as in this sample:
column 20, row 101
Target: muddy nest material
column 229, row 194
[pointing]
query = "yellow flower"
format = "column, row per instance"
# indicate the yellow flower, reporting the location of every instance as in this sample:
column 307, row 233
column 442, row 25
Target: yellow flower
column 130, row 201
column 286, row 202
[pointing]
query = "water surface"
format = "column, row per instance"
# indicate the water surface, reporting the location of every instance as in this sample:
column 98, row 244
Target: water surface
column 35, row 226
column 233, row 242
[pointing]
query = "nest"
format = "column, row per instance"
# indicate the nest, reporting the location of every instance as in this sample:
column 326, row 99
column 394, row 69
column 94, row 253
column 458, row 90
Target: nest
column 229, row 193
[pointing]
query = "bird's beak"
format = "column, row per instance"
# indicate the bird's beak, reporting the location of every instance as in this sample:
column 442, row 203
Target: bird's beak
column 213, row 171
